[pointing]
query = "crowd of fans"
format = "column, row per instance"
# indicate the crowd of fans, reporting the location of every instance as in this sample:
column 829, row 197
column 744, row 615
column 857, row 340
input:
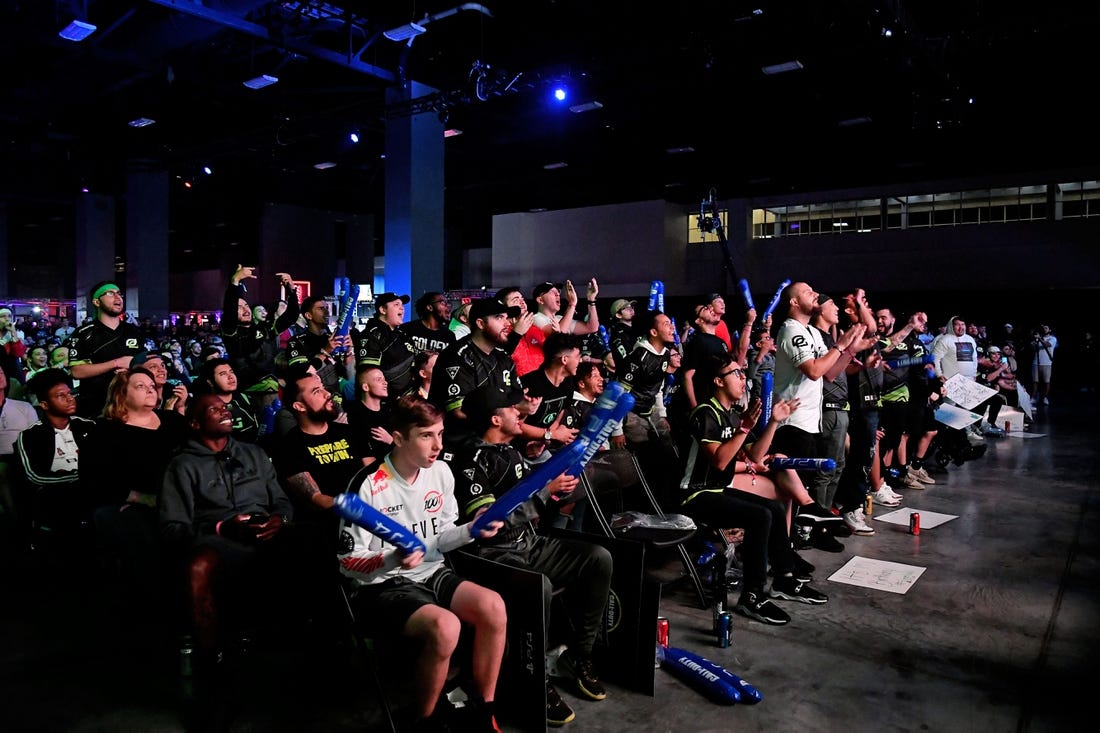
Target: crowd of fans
column 207, row 459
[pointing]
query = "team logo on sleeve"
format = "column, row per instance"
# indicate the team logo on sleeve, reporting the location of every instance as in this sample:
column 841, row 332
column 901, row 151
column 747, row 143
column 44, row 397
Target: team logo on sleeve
column 347, row 542
column 799, row 341
column 475, row 489
column 433, row 502
column 469, row 473
column 453, row 390
column 131, row 343
column 452, row 371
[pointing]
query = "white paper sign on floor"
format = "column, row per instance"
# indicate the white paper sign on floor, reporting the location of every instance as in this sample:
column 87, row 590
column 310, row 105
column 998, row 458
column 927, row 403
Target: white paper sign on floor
column 928, row 519
column 892, row 577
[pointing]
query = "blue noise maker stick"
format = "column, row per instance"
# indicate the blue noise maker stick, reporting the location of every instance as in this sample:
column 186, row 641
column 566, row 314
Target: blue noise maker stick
column 699, row 673
column 356, row 511
column 767, row 381
column 805, row 464
column 611, row 407
column 905, row 361
column 605, row 337
column 347, row 309
column 661, row 295
column 749, row 694
column 653, row 288
column 746, row 294
column 775, row 300
column 546, row 472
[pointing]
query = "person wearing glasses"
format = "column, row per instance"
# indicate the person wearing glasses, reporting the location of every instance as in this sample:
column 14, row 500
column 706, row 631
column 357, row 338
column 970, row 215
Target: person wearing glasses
column 728, row 484
column 430, row 332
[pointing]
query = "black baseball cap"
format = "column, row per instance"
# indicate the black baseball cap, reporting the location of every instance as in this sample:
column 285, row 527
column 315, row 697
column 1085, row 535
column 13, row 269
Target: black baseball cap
column 385, row 298
column 545, row 287
column 481, row 403
column 485, row 307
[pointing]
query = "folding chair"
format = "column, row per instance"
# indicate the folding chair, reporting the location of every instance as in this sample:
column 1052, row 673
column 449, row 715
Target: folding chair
column 653, row 538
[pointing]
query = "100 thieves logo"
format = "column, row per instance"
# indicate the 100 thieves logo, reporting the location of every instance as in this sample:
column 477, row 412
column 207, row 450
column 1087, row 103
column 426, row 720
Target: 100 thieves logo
column 433, row 502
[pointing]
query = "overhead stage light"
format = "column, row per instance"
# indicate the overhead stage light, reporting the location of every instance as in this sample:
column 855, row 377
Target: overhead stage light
column 141, row 122
column 207, row 170
column 324, row 166
column 354, row 137
column 78, row 30
column 560, row 93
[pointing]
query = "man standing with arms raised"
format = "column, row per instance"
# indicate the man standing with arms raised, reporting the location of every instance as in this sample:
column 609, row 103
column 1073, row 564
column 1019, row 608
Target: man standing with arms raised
column 801, row 360
column 101, row 348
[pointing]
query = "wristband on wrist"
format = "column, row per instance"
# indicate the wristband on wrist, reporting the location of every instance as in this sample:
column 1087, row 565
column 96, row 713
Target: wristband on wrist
column 743, row 430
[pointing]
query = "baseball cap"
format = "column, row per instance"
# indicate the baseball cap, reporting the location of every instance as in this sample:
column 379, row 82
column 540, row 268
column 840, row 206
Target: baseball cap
column 485, row 307
column 545, row 287
column 385, row 298
column 621, row 303
column 143, row 356
column 711, row 297
column 994, row 350
column 482, row 402
column 822, row 298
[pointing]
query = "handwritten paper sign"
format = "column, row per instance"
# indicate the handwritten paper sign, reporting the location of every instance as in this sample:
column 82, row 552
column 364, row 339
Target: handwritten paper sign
column 965, row 392
column 955, row 417
column 891, row 577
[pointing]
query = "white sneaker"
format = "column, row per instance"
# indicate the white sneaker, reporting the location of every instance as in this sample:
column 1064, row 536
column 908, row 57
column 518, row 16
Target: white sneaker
column 922, row 476
column 883, row 486
column 854, row 520
column 885, row 497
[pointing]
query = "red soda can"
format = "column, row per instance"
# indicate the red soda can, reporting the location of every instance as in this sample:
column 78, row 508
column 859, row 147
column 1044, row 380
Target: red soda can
column 662, row 631
column 914, row 523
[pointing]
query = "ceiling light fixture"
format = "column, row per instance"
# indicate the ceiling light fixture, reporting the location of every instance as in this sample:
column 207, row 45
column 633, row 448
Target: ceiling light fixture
column 676, row 151
column 853, row 121
column 452, row 132
column 783, row 67
column 405, row 32
column 586, row 107
column 141, row 122
column 410, row 31
column 261, row 81
column 324, row 166
column 78, row 30
column 555, row 166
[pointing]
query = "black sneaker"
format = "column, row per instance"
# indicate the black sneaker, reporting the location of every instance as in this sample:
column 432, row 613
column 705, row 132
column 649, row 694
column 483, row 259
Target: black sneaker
column 759, row 607
column 792, row 589
column 584, row 674
column 803, row 568
column 558, row 712
column 814, row 513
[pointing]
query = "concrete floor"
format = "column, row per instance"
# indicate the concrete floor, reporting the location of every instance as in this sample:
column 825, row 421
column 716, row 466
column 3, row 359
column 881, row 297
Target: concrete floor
column 1000, row 632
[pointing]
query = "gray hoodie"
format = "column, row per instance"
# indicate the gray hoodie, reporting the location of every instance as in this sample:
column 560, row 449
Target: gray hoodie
column 203, row 487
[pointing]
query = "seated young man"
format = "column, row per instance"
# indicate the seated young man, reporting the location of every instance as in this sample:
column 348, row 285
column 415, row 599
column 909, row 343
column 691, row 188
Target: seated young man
column 48, row 453
column 223, row 517
column 484, row 471
column 725, row 486
column 415, row 595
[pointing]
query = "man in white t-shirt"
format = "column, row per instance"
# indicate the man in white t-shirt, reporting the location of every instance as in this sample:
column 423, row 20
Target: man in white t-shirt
column 548, row 296
column 801, row 360
column 1043, row 344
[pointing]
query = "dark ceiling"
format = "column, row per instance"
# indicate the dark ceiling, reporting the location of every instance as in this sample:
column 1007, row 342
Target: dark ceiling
column 958, row 88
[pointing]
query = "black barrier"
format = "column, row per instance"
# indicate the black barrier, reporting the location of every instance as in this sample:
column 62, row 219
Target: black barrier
column 625, row 648
column 521, row 692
